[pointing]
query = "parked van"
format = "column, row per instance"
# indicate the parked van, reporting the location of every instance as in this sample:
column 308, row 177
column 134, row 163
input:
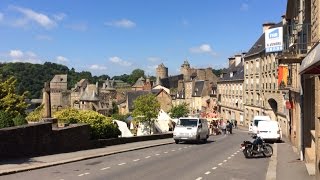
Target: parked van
column 269, row 130
column 191, row 129
column 253, row 127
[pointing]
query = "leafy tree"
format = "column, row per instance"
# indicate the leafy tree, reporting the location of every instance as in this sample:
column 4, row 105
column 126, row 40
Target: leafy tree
column 5, row 119
column 217, row 72
column 19, row 120
column 36, row 114
column 135, row 75
column 11, row 102
column 180, row 110
column 123, row 77
column 146, row 109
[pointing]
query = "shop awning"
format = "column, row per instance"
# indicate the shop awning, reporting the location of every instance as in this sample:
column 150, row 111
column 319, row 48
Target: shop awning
column 311, row 63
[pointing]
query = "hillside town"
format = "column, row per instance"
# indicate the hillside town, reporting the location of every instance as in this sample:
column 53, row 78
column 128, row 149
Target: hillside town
column 277, row 77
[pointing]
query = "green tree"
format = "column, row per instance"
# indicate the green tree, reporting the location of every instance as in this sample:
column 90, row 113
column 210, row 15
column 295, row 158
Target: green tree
column 5, row 119
column 135, row 75
column 180, row 110
column 146, row 109
column 11, row 102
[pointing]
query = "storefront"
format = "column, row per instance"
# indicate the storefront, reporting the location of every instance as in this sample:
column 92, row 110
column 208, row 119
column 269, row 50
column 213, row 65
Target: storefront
column 310, row 71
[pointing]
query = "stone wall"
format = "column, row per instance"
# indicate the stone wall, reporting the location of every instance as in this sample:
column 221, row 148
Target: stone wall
column 41, row 139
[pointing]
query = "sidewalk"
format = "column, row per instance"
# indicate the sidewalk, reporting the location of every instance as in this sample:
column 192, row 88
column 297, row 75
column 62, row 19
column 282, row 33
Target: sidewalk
column 20, row 165
column 285, row 163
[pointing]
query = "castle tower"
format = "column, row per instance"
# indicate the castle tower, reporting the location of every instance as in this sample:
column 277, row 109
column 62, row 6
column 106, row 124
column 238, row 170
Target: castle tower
column 185, row 70
column 162, row 72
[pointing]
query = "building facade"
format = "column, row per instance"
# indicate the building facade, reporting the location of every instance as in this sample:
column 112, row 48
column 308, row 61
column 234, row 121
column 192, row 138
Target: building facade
column 230, row 90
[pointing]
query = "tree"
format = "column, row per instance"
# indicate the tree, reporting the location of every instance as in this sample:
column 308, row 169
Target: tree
column 135, row 75
column 11, row 102
column 180, row 110
column 146, row 109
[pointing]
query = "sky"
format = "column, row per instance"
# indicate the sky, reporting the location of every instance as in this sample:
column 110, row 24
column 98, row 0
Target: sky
column 114, row 37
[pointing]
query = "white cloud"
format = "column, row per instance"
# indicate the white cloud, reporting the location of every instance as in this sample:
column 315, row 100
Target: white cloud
column 16, row 54
column 30, row 15
column 78, row 26
column 20, row 56
column 244, row 7
column 61, row 60
column 97, row 67
column 119, row 61
column 59, row 16
column 154, row 59
column 203, row 48
column 122, row 23
column 1, row 16
column 43, row 37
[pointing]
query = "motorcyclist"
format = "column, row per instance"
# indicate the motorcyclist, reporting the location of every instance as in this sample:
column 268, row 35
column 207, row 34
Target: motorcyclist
column 257, row 142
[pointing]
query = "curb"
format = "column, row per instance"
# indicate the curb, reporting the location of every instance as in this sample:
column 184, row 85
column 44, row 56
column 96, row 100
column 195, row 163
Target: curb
column 17, row 170
column 272, row 168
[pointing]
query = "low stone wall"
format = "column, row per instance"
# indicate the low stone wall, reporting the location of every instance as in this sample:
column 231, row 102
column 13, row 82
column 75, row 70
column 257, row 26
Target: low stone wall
column 42, row 139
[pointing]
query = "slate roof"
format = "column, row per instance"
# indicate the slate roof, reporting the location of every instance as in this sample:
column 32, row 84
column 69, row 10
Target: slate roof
column 172, row 81
column 59, row 78
column 238, row 73
column 139, row 82
column 198, row 89
column 259, row 45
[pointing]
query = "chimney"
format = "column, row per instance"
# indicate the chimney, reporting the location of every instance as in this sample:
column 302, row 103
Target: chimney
column 267, row 26
column 232, row 61
column 283, row 19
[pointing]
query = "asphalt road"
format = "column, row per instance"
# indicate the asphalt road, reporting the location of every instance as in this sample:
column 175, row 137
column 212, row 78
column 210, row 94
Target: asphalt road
column 220, row 158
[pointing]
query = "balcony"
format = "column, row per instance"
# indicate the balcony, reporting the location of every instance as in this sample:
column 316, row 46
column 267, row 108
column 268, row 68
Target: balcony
column 296, row 42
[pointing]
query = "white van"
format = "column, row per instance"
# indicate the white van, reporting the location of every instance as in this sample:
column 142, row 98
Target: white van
column 253, row 127
column 269, row 130
column 191, row 129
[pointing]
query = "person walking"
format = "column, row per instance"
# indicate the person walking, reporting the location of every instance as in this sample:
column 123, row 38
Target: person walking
column 224, row 127
column 235, row 124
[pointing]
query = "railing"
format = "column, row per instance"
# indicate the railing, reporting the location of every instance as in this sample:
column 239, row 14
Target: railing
column 296, row 38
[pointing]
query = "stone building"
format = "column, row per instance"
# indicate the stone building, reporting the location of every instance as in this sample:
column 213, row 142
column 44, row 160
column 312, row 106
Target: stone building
column 230, row 90
column 195, row 87
column 83, row 96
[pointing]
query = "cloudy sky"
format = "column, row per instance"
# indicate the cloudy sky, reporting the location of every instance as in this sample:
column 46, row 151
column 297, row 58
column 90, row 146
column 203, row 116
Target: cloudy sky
column 114, row 37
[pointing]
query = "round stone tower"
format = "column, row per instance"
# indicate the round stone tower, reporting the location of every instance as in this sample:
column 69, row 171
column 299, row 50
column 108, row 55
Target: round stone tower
column 162, row 71
column 185, row 70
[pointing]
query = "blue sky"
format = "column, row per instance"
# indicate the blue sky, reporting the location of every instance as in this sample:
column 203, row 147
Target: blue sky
column 114, row 37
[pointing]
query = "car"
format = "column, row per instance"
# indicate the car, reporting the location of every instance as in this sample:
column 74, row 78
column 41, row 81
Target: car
column 253, row 127
column 269, row 131
column 191, row 129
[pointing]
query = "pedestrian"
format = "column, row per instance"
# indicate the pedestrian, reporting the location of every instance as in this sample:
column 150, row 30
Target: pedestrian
column 235, row 124
column 224, row 127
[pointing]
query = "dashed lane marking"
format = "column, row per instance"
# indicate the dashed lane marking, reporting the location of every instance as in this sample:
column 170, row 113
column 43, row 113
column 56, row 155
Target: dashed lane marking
column 122, row 164
column 224, row 160
column 229, row 157
column 173, row 150
column 105, row 168
column 199, row 178
column 220, row 164
column 179, row 148
column 232, row 155
column 166, row 152
column 157, row 154
column 185, row 147
column 136, row 160
column 80, row 175
column 208, row 172
column 87, row 173
column 147, row 157
column 214, row 168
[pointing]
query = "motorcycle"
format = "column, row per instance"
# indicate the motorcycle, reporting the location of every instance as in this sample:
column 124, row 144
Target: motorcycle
column 259, row 147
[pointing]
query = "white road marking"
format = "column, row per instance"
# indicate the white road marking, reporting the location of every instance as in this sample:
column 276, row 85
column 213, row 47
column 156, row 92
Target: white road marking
column 104, row 168
column 179, row 148
column 232, row 155
column 147, row 157
column 166, row 152
column 136, row 160
column 87, row 173
column 199, row 178
column 190, row 146
column 225, row 160
column 208, row 172
column 220, row 164
column 122, row 164
column 80, row 175
column 157, row 154
column 185, row 147
column 173, row 150
column 214, row 168
column 238, row 151
column 229, row 157
column 235, row 153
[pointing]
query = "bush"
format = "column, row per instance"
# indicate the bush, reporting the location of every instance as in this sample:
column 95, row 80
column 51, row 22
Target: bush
column 101, row 126
column 5, row 120
column 19, row 120
column 36, row 115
